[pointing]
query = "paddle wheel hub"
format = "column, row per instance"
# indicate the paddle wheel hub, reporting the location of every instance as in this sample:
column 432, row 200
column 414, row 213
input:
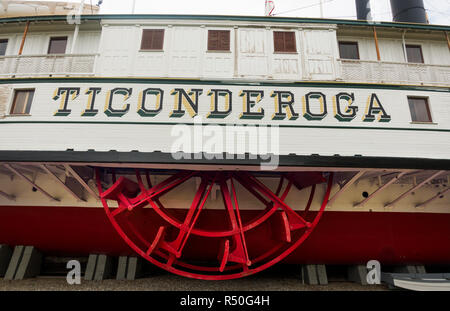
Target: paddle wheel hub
column 235, row 241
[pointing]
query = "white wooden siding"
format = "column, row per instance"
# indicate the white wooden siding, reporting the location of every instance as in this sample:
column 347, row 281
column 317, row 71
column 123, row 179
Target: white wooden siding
column 321, row 52
column 115, row 51
column 186, row 51
column 87, row 42
column 5, row 93
column 37, row 43
column 185, row 54
column 11, row 43
column 251, row 55
column 218, row 64
column 391, row 50
column 285, row 65
column 146, row 62
column 397, row 138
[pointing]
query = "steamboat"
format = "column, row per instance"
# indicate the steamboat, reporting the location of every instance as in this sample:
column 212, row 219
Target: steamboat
column 112, row 139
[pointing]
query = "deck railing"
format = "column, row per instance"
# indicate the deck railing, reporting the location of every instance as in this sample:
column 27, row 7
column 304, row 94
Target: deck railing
column 47, row 65
column 392, row 72
column 351, row 70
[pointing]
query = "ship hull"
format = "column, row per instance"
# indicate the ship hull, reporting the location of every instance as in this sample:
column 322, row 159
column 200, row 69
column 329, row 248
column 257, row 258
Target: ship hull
column 339, row 238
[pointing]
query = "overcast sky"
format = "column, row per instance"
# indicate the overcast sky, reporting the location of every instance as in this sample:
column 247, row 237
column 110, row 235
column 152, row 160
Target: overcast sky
column 438, row 10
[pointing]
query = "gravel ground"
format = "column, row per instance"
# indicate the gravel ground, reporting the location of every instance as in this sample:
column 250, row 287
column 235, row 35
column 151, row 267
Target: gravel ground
column 176, row 283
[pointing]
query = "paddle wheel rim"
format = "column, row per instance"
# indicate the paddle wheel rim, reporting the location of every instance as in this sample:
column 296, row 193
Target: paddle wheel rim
column 225, row 271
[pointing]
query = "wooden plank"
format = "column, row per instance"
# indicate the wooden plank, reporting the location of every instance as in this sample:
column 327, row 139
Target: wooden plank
column 376, row 192
column 391, row 204
column 441, row 193
column 6, row 172
column 28, row 168
column 350, row 182
column 7, row 196
column 9, row 167
column 81, row 181
column 59, row 181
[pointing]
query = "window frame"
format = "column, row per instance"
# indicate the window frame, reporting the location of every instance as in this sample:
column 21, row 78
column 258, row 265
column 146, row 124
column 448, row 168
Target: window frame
column 12, row 105
column 428, row 108
column 218, row 50
column 57, row 37
column 421, row 53
column 141, row 49
column 352, row 43
column 7, row 44
column 284, row 42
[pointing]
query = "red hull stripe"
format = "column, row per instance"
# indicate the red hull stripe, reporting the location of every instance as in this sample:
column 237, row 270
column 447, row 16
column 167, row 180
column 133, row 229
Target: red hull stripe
column 340, row 237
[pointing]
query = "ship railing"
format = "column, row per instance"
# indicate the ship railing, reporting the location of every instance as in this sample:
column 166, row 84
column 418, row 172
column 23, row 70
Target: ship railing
column 47, row 65
column 394, row 72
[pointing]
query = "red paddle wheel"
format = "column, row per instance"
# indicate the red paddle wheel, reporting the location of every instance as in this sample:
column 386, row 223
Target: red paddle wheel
column 212, row 244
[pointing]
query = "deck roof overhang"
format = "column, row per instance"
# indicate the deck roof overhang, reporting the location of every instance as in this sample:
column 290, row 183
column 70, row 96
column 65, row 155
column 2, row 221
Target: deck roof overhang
column 225, row 161
column 206, row 18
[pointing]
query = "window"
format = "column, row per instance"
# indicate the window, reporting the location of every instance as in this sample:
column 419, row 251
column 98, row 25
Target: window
column 57, row 45
column 348, row 50
column 152, row 39
column 420, row 110
column 414, row 53
column 218, row 40
column 284, row 41
column 3, row 46
column 22, row 102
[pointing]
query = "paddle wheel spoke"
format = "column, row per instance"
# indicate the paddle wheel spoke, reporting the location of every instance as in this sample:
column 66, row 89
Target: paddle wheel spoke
column 119, row 210
column 241, row 230
column 311, row 197
column 175, row 247
column 122, row 190
column 149, row 183
column 280, row 186
column 238, row 253
column 255, row 193
column 191, row 217
column 295, row 220
column 198, row 213
column 169, row 184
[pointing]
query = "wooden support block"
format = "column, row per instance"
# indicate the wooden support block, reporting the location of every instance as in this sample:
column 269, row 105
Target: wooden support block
column 5, row 258
column 25, row 263
column 129, row 268
column 104, row 268
column 90, row 268
column 134, row 268
column 30, row 266
column 122, row 268
column 99, row 268
column 14, row 262
column 314, row 274
column 421, row 269
column 322, row 274
column 357, row 274
column 309, row 274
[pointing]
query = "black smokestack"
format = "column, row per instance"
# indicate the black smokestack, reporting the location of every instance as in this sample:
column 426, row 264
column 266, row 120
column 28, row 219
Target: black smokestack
column 363, row 10
column 409, row 11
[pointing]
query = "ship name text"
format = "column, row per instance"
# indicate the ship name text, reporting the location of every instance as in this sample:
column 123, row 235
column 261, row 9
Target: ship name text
column 254, row 103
